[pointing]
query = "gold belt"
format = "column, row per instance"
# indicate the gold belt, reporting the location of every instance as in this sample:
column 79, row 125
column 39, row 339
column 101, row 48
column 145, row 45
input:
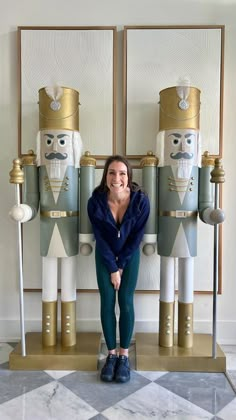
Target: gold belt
column 178, row 213
column 57, row 214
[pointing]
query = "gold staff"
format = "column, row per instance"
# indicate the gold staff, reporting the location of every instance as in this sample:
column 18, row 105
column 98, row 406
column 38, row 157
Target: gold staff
column 17, row 178
column 217, row 177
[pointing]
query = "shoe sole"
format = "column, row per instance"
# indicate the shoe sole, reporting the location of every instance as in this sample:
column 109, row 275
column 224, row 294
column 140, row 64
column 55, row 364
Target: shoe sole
column 122, row 380
column 106, row 379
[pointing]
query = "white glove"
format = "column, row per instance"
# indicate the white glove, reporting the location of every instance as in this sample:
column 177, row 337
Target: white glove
column 86, row 249
column 213, row 216
column 21, row 213
column 149, row 241
column 149, row 249
column 86, row 241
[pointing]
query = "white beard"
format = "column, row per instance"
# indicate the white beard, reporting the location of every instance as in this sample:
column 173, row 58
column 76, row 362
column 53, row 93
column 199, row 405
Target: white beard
column 54, row 169
column 184, row 168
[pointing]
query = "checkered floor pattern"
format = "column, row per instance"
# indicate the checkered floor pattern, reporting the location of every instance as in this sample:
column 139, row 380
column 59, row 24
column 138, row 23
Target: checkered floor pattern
column 62, row 395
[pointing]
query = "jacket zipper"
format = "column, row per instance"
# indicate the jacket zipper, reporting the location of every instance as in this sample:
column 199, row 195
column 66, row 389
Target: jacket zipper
column 118, row 234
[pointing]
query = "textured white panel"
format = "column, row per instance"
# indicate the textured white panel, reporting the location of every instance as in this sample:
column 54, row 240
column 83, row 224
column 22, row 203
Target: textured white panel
column 80, row 59
column 156, row 59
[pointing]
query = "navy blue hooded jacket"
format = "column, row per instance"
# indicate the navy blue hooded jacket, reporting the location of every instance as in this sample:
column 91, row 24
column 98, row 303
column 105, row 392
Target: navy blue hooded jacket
column 117, row 243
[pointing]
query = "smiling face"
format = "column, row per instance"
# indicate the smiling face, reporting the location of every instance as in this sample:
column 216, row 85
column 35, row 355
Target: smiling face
column 117, row 177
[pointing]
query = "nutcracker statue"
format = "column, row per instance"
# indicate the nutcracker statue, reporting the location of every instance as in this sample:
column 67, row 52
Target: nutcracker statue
column 52, row 180
column 180, row 190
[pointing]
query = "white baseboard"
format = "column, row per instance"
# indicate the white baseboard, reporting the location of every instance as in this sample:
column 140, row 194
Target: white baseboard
column 10, row 330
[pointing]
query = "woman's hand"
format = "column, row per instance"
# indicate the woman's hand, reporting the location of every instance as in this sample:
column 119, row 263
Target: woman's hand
column 116, row 279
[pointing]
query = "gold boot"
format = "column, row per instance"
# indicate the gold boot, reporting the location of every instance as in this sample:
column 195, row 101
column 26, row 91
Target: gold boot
column 68, row 323
column 166, row 324
column 185, row 325
column 49, row 323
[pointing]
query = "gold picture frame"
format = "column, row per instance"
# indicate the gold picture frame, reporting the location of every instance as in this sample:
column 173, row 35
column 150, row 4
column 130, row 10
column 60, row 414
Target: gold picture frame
column 83, row 58
column 155, row 57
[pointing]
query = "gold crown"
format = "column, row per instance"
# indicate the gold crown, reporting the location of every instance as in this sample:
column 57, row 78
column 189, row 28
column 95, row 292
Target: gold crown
column 58, row 108
column 179, row 108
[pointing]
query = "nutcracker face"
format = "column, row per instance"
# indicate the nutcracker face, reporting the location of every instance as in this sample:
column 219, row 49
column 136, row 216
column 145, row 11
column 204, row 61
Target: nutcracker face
column 56, row 147
column 181, row 147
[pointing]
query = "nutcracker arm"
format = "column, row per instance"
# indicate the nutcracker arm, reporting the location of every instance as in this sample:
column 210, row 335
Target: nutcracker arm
column 210, row 173
column 149, row 181
column 31, row 185
column 87, row 184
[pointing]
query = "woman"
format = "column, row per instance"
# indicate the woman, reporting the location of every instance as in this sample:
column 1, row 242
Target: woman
column 118, row 211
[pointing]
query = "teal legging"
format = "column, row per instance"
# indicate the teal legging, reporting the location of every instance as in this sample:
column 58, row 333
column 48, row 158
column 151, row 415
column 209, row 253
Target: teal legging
column 125, row 300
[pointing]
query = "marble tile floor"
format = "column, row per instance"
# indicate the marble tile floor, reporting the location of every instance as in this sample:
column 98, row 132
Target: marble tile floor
column 79, row 395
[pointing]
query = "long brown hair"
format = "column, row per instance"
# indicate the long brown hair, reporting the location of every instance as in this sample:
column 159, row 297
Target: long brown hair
column 102, row 187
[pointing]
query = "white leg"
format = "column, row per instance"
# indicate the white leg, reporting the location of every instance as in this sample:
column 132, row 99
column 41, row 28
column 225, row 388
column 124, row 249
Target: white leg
column 49, row 279
column 167, row 297
column 68, row 301
column 186, row 279
column 167, row 279
column 49, row 304
column 68, row 278
column 185, row 304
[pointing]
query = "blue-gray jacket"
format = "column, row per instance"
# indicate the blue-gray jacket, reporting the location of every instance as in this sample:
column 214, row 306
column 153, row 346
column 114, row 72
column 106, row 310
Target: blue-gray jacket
column 117, row 243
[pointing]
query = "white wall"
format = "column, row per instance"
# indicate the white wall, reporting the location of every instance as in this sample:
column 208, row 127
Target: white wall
column 118, row 13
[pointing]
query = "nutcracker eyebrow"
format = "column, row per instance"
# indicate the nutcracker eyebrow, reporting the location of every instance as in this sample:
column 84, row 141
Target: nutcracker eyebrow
column 51, row 136
column 61, row 135
column 175, row 134
column 188, row 135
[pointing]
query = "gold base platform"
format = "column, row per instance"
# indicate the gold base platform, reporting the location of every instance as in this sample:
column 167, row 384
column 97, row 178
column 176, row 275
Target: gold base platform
column 82, row 356
column 150, row 356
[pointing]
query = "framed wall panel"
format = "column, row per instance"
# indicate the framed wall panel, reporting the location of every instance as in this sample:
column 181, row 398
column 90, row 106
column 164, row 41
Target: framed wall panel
column 155, row 58
column 83, row 58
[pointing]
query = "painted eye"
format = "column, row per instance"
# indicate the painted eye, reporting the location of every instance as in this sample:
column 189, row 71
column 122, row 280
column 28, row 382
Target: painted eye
column 48, row 142
column 62, row 142
column 189, row 141
column 176, row 142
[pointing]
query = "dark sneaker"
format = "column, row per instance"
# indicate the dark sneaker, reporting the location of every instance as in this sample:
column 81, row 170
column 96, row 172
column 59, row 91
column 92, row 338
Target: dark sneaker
column 109, row 369
column 122, row 369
